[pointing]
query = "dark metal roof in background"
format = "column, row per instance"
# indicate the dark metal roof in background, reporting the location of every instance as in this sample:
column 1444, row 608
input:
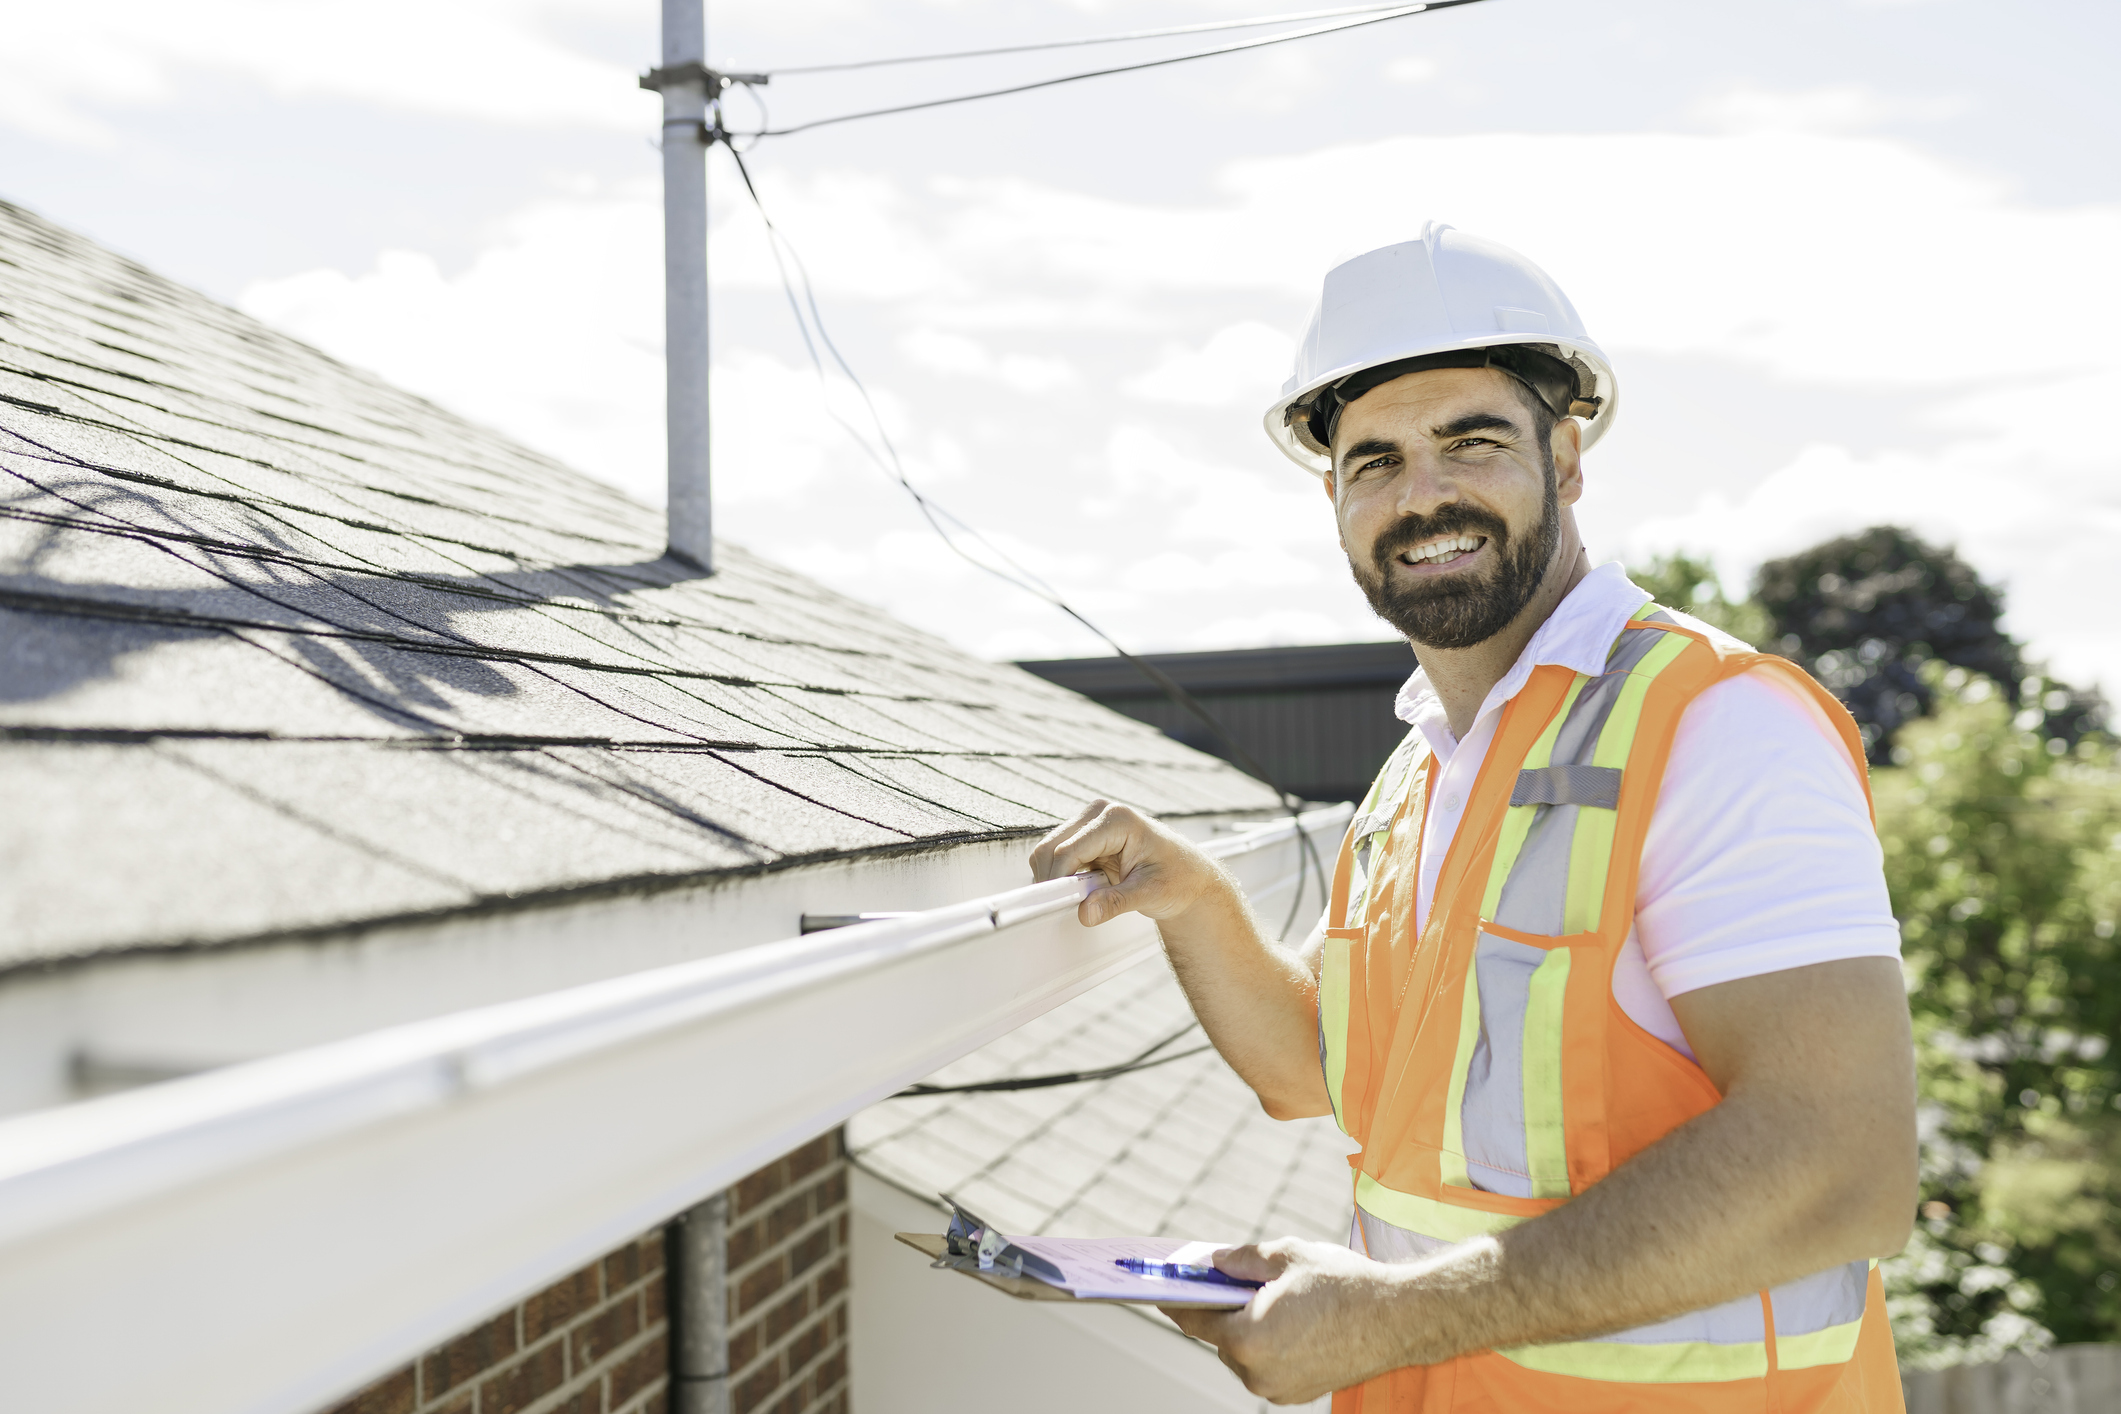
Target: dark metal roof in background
column 286, row 649
column 1317, row 718
column 1299, row 668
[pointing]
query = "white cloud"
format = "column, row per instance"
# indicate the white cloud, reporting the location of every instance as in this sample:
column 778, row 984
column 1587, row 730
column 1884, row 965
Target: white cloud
column 1412, row 68
column 958, row 355
column 1839, row 108
column 1242, row 364
column 2041, row 517
column 494, row 60
column 1805, row 260
column 554, row 334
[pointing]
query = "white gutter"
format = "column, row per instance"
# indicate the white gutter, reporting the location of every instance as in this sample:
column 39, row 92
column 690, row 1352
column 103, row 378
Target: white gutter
column 264, row 1239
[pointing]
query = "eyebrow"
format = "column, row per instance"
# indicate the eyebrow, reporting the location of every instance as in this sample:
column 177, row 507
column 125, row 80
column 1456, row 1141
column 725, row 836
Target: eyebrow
column 1477, row 422
column 1458, row 427
column 1368, row 447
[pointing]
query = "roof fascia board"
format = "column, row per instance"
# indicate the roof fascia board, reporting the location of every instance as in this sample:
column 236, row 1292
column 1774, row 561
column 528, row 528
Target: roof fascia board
column 266, row 1238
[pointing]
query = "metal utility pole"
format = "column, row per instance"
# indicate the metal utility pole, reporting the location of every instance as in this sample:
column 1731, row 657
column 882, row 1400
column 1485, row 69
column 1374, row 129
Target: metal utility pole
column 684, row 79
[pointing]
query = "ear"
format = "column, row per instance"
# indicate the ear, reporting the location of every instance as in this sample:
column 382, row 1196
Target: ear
column 1567, row 442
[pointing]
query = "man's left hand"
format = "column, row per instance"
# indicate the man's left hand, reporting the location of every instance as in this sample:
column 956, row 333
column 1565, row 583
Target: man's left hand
column 1324, row 1321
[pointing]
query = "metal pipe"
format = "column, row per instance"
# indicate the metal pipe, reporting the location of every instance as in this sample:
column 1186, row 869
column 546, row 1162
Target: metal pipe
column 684, row 88
column 697, row 1262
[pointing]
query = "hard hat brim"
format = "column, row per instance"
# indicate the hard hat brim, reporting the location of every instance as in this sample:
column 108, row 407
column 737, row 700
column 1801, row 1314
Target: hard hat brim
column 1276, row 419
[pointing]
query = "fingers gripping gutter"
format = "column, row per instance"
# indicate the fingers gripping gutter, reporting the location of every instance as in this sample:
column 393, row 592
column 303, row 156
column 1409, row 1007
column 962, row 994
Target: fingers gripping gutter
column 1147, row 869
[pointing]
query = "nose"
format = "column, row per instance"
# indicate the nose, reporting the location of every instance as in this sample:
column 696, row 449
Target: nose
column 1425, row 482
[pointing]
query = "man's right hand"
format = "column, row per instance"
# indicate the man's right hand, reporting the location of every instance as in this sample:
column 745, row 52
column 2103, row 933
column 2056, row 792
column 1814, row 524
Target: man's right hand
column 1258, row 1002
column 1147, row 868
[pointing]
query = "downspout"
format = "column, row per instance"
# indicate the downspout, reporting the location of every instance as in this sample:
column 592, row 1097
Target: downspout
column 696, row 1253
column 683, row 81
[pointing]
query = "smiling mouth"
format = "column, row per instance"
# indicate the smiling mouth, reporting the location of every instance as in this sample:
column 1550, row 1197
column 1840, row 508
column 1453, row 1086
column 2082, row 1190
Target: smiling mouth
column 1444, row 550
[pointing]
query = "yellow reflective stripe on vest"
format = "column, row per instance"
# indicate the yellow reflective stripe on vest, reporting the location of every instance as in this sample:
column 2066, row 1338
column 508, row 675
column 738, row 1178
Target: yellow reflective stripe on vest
column 1681, row 1362
column 1545, row 1144
column 1503, row 1122
column 1447, row 1222
column 1333, row 986
column 1451, row 1155
column 1591, row 848
column 1836, row 1345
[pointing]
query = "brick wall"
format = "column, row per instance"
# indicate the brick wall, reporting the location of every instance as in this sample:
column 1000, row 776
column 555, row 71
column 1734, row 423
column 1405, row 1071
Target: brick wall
column 788, row 1270
column 595, row 1341
column 591, row 1343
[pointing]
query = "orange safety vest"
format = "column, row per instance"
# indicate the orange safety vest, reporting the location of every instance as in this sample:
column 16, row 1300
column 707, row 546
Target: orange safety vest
column 1489, row 1074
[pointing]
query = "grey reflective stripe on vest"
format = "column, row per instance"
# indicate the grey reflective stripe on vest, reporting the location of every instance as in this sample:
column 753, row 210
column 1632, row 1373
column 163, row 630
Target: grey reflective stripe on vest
column 1493, row 1113
column 1829, row 1298
column 1537, row 890
column 1568, row 785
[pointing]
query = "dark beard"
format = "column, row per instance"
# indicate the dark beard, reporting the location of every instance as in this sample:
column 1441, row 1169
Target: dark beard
column 1458, row 615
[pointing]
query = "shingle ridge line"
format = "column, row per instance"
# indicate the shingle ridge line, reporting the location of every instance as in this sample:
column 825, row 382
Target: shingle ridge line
column 89, row 394
column 131, row 531
column 90, row 607
column 256, row 500
column 219, row 400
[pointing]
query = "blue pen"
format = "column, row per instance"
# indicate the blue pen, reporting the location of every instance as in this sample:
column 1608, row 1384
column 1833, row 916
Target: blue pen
column 1181, row 1271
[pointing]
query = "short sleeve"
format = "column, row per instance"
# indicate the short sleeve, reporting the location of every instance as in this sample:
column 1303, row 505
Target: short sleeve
column 1761, row 855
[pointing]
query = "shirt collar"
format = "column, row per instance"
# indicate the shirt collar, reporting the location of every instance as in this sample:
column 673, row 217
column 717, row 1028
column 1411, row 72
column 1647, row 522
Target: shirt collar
column 1577, row 635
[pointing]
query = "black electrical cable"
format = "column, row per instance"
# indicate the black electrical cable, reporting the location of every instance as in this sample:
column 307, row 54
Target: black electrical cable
column 1128, row 37
column 1395, row 13
column 1063, row 1077
column 935, row 515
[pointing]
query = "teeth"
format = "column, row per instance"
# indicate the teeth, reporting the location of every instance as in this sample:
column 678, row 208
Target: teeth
column 1447, row 548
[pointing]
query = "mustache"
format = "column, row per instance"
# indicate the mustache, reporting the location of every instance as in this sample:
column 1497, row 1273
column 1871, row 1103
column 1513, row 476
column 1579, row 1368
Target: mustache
column 1455, row 518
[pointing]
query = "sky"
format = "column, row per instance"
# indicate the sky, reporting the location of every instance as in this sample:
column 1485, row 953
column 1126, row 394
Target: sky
column 1853, row 260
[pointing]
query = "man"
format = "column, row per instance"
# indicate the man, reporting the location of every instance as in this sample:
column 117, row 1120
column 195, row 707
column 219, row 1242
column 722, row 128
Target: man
column 1608, row 989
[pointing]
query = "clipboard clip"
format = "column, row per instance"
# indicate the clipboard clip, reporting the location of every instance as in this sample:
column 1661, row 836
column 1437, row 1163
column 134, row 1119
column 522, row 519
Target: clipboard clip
column 973, row 1243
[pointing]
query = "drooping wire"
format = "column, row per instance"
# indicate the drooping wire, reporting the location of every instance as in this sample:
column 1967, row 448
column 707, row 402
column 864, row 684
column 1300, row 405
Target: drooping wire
column 936, row 516
column 1394, row 13
column 1131, row 35
column 1064, row 1077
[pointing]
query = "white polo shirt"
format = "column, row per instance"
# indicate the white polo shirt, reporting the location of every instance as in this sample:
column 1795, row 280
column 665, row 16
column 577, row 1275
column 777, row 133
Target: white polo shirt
column 1760, row 855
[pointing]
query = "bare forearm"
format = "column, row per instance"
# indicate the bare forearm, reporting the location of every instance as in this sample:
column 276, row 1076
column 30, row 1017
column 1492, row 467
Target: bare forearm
column 1257, row 1001
column 1730, row 1203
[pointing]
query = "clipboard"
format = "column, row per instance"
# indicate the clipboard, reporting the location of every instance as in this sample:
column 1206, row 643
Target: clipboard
column 978, row 1250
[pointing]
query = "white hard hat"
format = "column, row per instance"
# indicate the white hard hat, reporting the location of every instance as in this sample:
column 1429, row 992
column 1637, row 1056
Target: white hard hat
column 1446, row 294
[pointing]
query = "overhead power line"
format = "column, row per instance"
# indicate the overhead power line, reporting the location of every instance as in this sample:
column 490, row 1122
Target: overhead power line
column 813, row 331
column 1362, row 19
column 1130, row 36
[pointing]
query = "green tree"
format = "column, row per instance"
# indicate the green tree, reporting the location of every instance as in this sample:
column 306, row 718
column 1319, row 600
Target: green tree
column 1680, row 581
column 1863, row 613
column 2003, row 854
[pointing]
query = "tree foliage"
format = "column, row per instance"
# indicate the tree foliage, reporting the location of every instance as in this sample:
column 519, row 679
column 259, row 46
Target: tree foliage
column 1680, row 581
column 1863, row 613
column 1999, row 808
column 2003, row 855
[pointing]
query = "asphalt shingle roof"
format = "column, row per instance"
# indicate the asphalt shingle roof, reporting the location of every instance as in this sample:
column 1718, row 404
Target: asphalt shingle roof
column 284, row 648
column 1181, row 1149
